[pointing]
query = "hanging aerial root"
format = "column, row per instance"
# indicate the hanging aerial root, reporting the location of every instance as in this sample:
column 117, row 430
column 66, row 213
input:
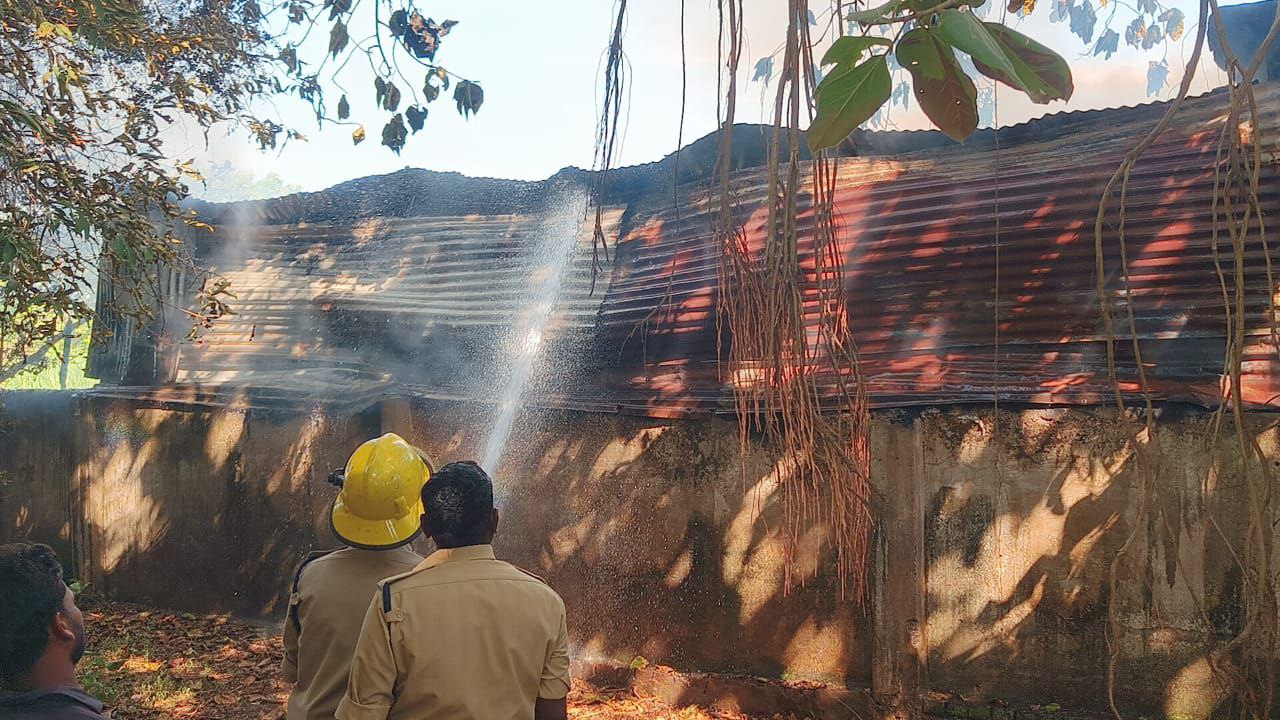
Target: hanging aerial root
column 1245, row 668
column 808, row 401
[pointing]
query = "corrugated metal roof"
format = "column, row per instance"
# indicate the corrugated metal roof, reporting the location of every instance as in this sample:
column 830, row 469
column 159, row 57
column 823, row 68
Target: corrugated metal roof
column 919, row 237
column 409, row 297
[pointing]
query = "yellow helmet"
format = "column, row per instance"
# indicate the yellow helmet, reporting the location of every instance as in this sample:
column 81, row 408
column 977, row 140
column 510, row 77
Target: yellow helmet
column 380, row 504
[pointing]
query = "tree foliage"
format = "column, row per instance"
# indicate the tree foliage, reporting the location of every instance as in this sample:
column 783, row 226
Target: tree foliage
column 225, row 183
column 403, row 91
column 927, row 49
column 87, row 91
column 934, row 51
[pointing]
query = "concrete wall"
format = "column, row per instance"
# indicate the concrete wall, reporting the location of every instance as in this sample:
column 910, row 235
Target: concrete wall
column 995, row 542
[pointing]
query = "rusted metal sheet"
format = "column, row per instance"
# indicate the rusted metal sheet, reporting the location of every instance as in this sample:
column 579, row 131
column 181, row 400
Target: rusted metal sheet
column 969, row 276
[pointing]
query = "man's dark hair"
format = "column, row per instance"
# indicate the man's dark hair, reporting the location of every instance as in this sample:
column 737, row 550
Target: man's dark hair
column 31, row 593
column 458, row 503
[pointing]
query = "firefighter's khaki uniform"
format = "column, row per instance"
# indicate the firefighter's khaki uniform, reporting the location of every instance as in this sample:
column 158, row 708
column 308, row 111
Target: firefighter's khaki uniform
column 462, row 637
column 331, row 592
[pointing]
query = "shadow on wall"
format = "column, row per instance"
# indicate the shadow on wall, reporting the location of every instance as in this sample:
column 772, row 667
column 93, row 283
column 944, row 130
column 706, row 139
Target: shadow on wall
column 664, row 544
column 195, row 510
column 1023, row 522
column 664, row 541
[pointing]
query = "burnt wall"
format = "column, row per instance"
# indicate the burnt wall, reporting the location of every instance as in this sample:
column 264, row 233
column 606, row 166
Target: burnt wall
column 995, row 542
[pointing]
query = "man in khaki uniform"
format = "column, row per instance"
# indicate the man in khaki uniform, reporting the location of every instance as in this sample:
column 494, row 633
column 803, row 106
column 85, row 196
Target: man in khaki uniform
column 375, row 515
column 463, row 636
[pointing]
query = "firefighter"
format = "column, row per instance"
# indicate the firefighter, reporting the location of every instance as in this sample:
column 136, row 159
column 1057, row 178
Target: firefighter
column 463, row 636
column 376, row 516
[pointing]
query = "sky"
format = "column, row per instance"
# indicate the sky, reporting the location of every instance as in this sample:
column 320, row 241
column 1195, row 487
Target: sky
column 540, row 65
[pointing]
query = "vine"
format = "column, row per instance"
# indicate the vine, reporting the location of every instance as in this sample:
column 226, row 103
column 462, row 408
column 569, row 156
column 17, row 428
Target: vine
column 1244, row 667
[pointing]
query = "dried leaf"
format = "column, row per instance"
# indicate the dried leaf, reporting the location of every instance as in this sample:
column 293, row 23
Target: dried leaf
column 357, row 137
column 1153, row 36
column 468, row 96
column 1135, row 32
column 416, row 117
column 1157, row 76
column 394, row 133
column 1083, row 21
column 1109, row 43
column 398, row 23
column 764, row 70
column 344, row 109
column 338, row 38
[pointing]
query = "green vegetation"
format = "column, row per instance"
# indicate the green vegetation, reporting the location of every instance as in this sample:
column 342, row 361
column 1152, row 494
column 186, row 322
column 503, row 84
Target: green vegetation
column 47, row 375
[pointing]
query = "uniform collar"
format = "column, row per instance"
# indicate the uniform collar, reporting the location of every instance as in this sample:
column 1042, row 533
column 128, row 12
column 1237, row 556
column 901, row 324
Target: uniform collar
column 468, row 552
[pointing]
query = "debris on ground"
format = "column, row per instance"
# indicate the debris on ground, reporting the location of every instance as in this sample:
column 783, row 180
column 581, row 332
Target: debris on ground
column 148, row 664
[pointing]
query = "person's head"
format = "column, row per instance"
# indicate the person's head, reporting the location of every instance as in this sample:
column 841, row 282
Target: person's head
column 40, row 620
column 378, row 506
column 457, row 506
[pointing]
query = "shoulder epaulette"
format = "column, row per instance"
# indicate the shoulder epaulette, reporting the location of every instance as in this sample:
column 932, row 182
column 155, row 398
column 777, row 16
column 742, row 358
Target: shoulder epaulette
column 384, row 587
column 297, row 578
column 535, row 576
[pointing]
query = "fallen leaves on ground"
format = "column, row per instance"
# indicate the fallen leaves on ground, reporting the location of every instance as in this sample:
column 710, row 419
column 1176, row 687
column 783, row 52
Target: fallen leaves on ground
column 148, row 664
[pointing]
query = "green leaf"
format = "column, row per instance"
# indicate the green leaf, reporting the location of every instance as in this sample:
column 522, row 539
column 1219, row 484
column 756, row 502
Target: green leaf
column 848, row 50
column 944, row 91
column 1008, row 56
column 875, row 15
column 848, row 98
column 8, row 249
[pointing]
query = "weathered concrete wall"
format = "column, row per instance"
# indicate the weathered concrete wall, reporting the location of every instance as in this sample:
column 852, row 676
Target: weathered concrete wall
column 995, row 543
column 37, row 461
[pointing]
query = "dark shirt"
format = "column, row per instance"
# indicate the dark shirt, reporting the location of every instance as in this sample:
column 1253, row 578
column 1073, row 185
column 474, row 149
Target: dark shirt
column 61, row 703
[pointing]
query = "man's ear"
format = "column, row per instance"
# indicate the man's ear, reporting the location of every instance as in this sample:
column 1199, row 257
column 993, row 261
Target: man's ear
column 494, row 528
column 426, row 525
column 60, row 628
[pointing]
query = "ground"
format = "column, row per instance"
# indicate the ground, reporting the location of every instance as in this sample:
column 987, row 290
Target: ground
column 148, row 664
